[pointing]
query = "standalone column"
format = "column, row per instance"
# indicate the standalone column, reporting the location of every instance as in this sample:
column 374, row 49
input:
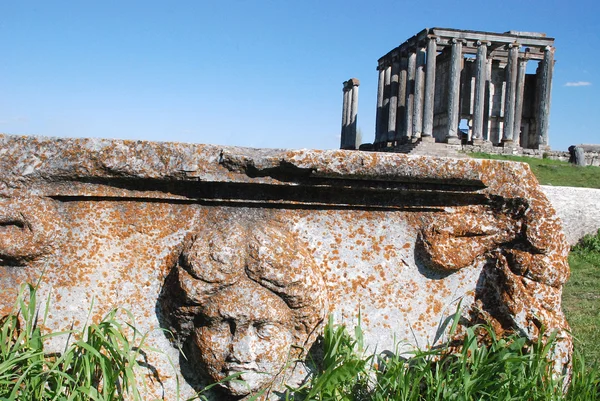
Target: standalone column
column 521, row 71
column 391, row 127
column 428, row 97
column 419, row 92
column 480, row 83
column 379, row 117
column 345, row 114
column 354, row 113
column 410, row 92
column 545, row 87
column 401, row 113
column 454, row 92
column 349, row 139
column 510, row 97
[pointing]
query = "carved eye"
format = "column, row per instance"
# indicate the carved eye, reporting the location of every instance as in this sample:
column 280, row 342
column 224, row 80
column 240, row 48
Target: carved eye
column 266, row 330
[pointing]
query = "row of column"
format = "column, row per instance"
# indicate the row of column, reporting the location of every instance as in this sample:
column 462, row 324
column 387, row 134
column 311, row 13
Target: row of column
column 349, row 138
column 405, row 95
column 516, row 69
column 405, row 98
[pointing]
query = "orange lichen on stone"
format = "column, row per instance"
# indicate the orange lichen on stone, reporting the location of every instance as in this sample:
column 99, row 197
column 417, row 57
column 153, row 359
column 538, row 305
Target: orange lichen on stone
column 402, row 240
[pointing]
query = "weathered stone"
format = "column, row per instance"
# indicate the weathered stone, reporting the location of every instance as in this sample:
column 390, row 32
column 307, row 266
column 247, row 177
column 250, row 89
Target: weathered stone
column 577, row 155
column 479, row 95
column 456, row 60
column 577, row 208
column 349, row 139
column 242, row 253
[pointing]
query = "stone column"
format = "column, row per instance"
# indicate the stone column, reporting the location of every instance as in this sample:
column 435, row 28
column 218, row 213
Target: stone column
column 410, row 92
column 545, row 86
column 481, row 79
column 489, row 96
column 349, row 115
column 391, row 126
column 379, row 115
column 345, row 113
column 401, row 113
column 386, row 104
column 521, row 71
column 428, row 96
column 454, row 92
column 419, row 93
column 354, row 112
column 510, row 97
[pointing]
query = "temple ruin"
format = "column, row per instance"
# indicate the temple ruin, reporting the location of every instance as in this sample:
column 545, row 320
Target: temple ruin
column 440, row 76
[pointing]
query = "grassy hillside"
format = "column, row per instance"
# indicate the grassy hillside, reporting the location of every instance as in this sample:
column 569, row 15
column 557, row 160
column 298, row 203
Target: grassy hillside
column 581, row 297
column 554, row 172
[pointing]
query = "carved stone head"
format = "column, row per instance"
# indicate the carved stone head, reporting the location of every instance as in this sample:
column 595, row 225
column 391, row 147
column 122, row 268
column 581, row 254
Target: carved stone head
column 246, row 298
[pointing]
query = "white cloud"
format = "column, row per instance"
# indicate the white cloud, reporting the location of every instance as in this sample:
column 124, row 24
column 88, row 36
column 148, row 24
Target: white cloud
column 578, row 83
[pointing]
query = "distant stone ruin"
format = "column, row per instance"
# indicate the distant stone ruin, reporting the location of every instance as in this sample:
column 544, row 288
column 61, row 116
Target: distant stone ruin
column 242, row 253
column 440, row 77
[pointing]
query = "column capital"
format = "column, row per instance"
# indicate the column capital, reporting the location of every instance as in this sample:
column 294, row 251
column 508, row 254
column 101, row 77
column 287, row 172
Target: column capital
column 351, row 83
column 511, row 45
column 483, row 43
column 457, row 40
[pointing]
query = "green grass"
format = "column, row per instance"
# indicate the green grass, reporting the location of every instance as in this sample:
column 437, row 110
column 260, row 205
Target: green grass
column 102, row 363
column 581, row 297
column 98, row 363
column 504, row 369
column 553, row 172
column 106, row 361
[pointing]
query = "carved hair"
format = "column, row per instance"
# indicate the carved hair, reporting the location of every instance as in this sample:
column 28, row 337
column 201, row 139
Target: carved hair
column 261, row 250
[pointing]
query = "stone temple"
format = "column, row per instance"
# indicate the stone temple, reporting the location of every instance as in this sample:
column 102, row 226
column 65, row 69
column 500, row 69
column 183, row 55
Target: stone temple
column 442, row 79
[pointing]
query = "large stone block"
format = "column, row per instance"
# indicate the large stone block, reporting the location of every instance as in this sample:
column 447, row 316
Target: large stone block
column 242, row 253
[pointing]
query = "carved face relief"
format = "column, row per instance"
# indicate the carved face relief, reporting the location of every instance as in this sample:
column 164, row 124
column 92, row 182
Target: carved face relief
column 245, row 329
column 246, row 297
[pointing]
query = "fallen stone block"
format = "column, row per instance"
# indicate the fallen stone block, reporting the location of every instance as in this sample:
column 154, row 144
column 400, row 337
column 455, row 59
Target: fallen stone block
column 242, row 253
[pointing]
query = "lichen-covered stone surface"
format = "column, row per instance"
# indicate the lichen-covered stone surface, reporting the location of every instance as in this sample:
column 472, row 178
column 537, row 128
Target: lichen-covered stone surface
column 242, row 253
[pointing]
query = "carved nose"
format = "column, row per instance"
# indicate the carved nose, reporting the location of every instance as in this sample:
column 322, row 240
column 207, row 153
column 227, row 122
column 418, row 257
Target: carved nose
column 242, row 346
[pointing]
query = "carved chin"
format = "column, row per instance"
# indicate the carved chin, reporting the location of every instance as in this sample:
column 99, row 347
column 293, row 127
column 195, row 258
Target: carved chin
column 246, row 383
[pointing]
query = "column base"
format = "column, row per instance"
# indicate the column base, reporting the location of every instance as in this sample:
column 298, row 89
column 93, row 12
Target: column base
column 452, row 140
column 508, row 143
column 542, row 147
column 427, row 139
column 478, row 141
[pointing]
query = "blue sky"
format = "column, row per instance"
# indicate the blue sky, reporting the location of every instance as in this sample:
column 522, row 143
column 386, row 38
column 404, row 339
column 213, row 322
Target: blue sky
column 260, row 73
